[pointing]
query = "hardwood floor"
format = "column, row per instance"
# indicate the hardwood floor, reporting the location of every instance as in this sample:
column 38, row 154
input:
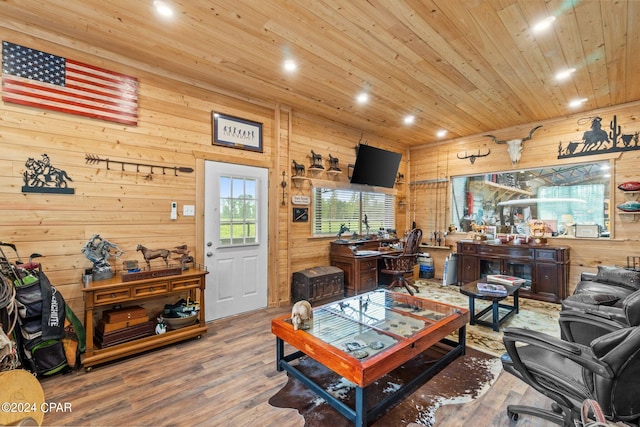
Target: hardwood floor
column 224, row 379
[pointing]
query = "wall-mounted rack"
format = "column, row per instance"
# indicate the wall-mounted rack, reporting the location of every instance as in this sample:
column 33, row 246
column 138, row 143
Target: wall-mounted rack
column 92, row 159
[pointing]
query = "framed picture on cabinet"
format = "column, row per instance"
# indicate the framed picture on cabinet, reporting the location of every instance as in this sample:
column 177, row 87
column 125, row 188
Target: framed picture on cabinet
column 235, row 132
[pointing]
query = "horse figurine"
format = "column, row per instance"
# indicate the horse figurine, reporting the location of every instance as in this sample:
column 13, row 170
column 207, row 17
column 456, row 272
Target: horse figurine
column 333, row 163
column 184, row 258
column 150, row 254
column 343, row 229
column 317, row 160
column 298, row 169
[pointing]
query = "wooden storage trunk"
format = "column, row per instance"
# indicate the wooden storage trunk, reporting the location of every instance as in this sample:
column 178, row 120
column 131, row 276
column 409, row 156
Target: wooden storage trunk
column 104, row 327
column 123, row 314
column 316, row 283
column 130, row 333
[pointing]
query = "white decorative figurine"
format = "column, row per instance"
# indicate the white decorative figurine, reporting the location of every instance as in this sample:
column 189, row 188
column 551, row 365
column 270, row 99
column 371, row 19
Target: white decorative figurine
column 300, row 313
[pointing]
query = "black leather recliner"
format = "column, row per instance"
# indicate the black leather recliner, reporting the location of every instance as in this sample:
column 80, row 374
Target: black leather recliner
column 607, row 371
column 583, row 325
column 604, row 290
column 601, row 303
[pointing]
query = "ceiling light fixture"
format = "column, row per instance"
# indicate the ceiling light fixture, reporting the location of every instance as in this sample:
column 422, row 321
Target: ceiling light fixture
column 362, row 98
column 408, row 120
column 577, row 102
column 290, row 65
column 543, row 25
column 565, row 74
column 163, row 8
column 441, row 133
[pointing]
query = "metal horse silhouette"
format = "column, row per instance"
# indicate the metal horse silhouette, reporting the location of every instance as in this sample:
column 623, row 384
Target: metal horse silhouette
column 598, row 141
column 42, row 177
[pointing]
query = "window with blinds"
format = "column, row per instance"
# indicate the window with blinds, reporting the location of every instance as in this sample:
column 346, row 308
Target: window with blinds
column 355, row 209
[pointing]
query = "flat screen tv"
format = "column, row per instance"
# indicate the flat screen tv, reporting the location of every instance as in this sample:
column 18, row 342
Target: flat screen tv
column 375, row 166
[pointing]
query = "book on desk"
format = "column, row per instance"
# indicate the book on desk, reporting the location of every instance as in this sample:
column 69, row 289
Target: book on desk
column 492, row 289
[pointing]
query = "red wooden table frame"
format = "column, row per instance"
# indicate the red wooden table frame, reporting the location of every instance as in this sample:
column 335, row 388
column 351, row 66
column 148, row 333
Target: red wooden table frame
column 363, row 372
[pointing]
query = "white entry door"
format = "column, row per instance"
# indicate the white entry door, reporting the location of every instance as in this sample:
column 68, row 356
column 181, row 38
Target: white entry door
column 235, row 239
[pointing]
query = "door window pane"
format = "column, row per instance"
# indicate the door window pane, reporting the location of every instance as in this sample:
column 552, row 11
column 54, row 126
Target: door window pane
column 238, row 210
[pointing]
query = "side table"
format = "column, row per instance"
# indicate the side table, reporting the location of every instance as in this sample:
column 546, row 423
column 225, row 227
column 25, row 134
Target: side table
column 471, row 290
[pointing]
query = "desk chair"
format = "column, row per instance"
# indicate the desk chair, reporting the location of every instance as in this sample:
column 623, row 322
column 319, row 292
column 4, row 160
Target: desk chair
column 606, row 371
column 399, row 265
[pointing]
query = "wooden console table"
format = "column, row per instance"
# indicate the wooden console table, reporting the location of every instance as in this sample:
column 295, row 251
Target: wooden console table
column 105, row 294
column 544, row 268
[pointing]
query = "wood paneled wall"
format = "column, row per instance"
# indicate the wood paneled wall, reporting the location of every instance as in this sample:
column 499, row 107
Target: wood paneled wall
column 440, row 162
column 126, row 207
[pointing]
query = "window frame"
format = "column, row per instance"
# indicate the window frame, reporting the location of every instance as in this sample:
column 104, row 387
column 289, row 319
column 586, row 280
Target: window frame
column 355, row 223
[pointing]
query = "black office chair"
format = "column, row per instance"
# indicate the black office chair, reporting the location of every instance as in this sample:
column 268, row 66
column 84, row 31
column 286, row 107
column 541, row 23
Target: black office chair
column 399, row 265
column 607, row 371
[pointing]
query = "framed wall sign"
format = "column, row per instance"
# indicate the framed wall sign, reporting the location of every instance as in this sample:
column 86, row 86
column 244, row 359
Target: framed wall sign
column 300, row 214
column 236, row 132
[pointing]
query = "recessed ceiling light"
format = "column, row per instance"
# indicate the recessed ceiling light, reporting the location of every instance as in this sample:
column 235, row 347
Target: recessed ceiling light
column 441, row 133
column 577, row 102
column 163, row 8
column 290, row 65
column 544, row 24
column 409, row 119
column 362, row 98
column 565, row 74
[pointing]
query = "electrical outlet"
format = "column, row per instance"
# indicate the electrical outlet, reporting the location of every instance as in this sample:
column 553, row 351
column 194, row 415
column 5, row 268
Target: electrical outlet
column 174, row 210
column 188, row 210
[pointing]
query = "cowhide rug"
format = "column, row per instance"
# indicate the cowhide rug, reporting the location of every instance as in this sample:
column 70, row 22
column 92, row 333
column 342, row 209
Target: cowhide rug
column 463, row 380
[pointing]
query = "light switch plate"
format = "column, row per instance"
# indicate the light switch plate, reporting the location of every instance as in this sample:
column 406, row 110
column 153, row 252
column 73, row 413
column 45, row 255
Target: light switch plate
column 188, row 210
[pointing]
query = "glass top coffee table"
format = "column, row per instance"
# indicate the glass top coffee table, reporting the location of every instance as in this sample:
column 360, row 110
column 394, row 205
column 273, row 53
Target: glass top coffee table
column 367, row 336
column 471, row 290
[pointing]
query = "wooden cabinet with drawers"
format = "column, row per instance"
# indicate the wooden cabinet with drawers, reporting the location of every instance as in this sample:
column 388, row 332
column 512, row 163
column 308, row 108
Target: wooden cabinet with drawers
column 105, row 294
column 544, row 268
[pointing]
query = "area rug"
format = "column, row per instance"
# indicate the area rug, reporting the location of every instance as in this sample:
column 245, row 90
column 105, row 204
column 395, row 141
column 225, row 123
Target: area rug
column 464, row 379
column 536, row 315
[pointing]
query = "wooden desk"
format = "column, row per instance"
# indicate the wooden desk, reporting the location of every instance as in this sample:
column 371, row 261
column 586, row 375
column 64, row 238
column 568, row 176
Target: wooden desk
column 365, row 337
column 104, row 294
column 360, row 271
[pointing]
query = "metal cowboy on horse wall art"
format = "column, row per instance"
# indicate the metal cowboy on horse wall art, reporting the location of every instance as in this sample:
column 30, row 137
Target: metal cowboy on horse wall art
column 598, row 141
column 42, row 177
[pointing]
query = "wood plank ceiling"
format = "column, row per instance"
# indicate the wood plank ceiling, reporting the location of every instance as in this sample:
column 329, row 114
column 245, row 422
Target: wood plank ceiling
column 467, row 66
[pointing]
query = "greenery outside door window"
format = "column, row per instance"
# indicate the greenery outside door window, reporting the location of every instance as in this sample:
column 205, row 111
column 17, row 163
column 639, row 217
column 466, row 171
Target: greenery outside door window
column 238, row 216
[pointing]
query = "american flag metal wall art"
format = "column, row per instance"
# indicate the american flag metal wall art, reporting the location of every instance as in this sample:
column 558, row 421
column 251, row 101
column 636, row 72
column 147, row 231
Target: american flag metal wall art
column 38, row 79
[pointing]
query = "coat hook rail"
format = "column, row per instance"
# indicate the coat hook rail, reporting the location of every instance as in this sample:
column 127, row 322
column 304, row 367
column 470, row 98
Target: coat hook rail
column 92, row 159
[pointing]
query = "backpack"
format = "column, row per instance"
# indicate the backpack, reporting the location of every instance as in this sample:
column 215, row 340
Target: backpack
column 41, row 333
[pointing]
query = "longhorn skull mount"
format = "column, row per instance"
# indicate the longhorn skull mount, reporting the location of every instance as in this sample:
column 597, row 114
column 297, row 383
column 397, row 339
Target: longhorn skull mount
column 472, row 158
column 514, row 146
